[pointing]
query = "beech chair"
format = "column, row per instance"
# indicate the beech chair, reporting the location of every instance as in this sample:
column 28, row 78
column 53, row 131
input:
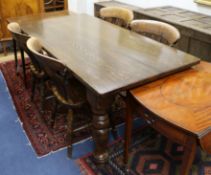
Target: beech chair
column 159, row 31
column 117, row 15
column 38, row 76
column 65, row 88
column 121, row 17
column 17, row 34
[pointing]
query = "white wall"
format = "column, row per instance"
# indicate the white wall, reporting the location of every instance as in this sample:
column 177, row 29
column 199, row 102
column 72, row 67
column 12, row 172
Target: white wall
column 82, row 6
column 86, row 6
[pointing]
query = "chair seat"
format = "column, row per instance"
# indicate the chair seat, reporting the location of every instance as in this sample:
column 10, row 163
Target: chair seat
column 38, row 73
column 77, row 93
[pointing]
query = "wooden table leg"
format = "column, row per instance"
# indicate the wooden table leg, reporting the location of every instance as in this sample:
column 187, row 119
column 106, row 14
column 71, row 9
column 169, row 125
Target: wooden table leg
column 100, row 106
column 189, row 155
column 128, row 129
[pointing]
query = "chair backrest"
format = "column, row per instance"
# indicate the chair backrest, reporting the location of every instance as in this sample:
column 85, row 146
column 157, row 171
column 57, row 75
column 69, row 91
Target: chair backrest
column 18, row 35
column 21, row 39
column 157, row 30
column 117, row 15
column 55, row 69
column 14, row 27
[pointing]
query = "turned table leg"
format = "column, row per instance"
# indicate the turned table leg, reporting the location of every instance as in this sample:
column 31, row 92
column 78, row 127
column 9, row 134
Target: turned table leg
column 188, row 157
column 100, row 107
column 128, row 128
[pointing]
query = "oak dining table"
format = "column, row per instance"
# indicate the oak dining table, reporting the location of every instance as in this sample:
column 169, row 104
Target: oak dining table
column 106, row 58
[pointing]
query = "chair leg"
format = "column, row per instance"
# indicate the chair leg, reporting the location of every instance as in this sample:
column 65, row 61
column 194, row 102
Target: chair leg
column 113, row 126
column 24, row 67
column 4, row 45
column 33, row 86
column 69, row 132
column 128, row 130
column 15, row 55
column 42, row 94
column 53, row 116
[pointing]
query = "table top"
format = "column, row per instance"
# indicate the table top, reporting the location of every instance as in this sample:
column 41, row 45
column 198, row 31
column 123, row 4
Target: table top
column 183, row 99
column 105, row 57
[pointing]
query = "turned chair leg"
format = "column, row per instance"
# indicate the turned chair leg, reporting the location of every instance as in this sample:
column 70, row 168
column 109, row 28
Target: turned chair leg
column 128, row 130
column 70, row 117
column 15, row 55
column 23, row 67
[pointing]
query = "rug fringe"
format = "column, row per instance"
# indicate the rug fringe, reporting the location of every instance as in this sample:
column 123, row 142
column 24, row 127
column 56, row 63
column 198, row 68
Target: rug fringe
column 23, row 126
column 17, row 118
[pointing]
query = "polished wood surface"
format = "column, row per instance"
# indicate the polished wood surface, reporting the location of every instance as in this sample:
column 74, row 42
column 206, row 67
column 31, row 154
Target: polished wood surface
column 183, row 100
column 178, row 107
column 40, row 16
column 14, row 8
column 105, row 65
column 1, row 32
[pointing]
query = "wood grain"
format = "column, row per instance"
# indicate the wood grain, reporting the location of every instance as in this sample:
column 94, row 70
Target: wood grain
column 103, row 64
column 1, row 32
column 183, row 100
column 14, row 8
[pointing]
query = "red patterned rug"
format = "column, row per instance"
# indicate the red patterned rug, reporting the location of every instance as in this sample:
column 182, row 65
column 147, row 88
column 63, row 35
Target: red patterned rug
column 150, row 154
column 42, row 136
